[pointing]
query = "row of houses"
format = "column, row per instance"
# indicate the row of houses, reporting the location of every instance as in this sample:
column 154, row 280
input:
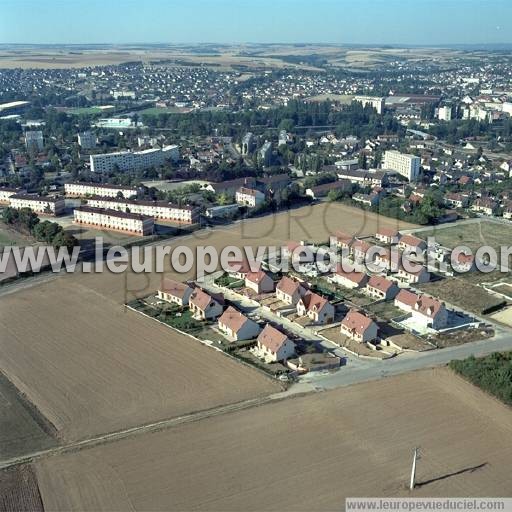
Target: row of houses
column 271, row 344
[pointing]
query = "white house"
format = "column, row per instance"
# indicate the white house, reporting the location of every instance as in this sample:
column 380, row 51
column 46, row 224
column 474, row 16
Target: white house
column 388, row 236
column 98, row 189
column 430, row 312
column 359, row 327
column 259, row 281
column 175, row 292
column 416, row 274
column 289, row 291
column 236, row 326
column 380, row 288
column 249, row 197
column 6, row 193
column 412, row 243
column 275, row 346
column 205, row 306
column 349, row 279
column 316, row 307
column 405, row 300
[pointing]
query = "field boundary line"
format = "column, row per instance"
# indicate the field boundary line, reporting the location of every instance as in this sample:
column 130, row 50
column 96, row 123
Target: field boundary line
column 153, row 427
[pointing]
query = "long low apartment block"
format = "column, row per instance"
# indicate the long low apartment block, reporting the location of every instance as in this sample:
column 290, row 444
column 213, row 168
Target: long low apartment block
column 161, row 210
column 98, row 189
column 114, row 220
column 42, row 205
column 7, row 192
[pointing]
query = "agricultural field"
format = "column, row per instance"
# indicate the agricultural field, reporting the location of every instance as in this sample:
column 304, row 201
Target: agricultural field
column 19, row 490
column 90, row 366
column 22, row 428
column 322, row 447
column 473, row 234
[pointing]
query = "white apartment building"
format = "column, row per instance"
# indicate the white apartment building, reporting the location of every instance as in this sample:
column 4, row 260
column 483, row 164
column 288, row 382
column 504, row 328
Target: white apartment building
column 98, row 189
column 507, row 108
column 249, row 197
column 34, row 140
column 133, row 160
column 6, row 193
column 118, row 95
column 156, row 209
column 114, row 220
column 39, row 204
column 87, row 140
column 376, row 102
column 445, row 113
column 402, row 163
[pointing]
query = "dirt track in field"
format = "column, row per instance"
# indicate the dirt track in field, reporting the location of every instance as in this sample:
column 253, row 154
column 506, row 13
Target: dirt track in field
column 306, row 453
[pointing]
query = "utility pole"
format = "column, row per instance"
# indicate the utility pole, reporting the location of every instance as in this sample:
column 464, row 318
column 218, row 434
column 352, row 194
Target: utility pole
column 413, row 470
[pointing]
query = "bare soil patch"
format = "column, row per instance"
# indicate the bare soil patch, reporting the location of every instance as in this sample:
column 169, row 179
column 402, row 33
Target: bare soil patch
column 306, row 453
column 90, row 366
column 19, row 490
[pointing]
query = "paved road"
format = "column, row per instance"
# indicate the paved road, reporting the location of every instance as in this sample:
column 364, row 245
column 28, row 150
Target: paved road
column 407, row 362
column 362, row 370
column 249, row 306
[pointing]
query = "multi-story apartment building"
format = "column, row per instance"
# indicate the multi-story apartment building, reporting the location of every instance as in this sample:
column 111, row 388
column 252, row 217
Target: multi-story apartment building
column 249, row 197
column 6, row 193
column 87, row 140
column 265, row 153
column 98, row 189
column 34, row 140
column 445, row 113
column 248, row 143
column 157, row 209
column 376, row 102
column 133, row 160
column 45, row 205
column 114, row 220
column 402, row 163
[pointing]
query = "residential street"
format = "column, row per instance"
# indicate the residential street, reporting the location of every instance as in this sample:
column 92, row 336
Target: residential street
column 362, row 369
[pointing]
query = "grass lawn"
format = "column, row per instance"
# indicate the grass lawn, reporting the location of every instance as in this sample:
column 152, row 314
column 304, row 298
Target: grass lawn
column 11, row 237
column 84, row 111
column 156, row 111
column 229, row 282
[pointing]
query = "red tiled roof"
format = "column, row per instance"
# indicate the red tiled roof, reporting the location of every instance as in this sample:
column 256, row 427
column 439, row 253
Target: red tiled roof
column 406, row 297
column 428, row 306
column 256, row 277
column 388, row 232
column 313, row 301
column 201, row 299
column 356, row 321
column 233, row 319
column 411, row 241
column 380, row 283
column 288, row 286
column 174, row 288
column 354, row 277
column 271, row 338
